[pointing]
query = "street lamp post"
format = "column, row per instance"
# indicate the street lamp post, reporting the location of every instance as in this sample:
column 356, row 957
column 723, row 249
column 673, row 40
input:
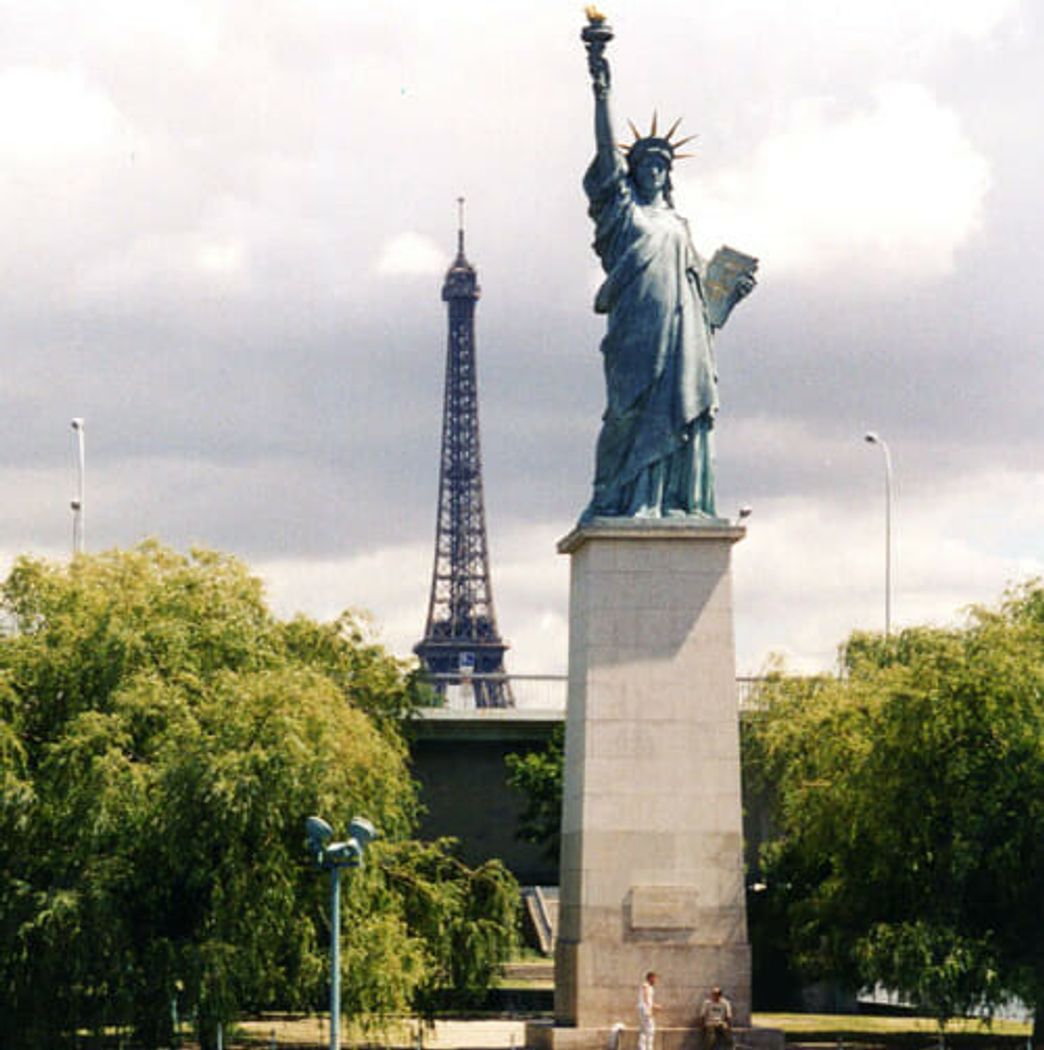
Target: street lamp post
column 873, row 438
column 77, row 504
column 335, row 857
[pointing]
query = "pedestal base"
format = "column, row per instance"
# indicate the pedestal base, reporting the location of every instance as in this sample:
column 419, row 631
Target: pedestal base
column 543, row 1035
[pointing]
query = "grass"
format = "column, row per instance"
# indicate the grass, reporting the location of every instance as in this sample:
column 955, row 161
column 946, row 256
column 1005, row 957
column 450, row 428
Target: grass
column 869, row 1024
column 855, row 1026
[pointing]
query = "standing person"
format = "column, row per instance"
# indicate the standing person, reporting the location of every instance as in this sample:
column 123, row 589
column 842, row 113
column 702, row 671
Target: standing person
column 716, row 1021
column 646, row 1006
column 654, row 456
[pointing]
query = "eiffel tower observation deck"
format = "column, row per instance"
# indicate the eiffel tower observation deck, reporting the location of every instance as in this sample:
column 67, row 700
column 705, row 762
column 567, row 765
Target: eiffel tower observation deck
column 462, row 646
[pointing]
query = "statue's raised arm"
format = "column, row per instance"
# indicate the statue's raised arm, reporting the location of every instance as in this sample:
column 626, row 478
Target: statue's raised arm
column 654, row 457
column 596, row 35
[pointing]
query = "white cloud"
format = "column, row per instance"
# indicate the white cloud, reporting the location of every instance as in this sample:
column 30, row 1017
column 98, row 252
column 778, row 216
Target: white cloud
column 411, row 254
column 927, row 20
column 391, row 583
column 811, row 571
column 191, row 30
column 530, row 584
column 177, row 262
column 46, row 114
column 887, row 193
column 36, row 498
column 221, row 257
column 531, row 587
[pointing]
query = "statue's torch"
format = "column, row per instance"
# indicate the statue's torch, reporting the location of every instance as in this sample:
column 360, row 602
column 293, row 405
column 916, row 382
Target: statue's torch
column 597, row 33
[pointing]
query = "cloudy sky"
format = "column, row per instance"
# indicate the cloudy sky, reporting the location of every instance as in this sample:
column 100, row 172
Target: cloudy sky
column 225, row 227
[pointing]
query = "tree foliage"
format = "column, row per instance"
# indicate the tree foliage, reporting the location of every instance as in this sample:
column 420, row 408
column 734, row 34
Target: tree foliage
column 537, row 775
column 909, row 801
column 162, row 739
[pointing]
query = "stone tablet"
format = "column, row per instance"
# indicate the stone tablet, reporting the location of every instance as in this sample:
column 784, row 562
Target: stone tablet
column 664, row 908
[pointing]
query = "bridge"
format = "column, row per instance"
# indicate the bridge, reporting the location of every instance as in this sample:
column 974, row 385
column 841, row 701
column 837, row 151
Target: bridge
column 459, row 751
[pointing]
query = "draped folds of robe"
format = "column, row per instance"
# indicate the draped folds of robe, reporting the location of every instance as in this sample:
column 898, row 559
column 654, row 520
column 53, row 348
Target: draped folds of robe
column 654, row 456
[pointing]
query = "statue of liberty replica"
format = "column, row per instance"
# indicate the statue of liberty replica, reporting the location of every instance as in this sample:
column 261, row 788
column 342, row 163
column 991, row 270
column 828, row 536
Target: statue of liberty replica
column 651, row 872
column 654, row 457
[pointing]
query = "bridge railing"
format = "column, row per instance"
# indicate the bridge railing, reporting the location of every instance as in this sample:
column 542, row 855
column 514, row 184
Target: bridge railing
column 535, row 692
column 531, row 692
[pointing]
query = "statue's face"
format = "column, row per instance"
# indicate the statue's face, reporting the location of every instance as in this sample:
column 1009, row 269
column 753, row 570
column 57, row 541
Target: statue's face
column 650, row 175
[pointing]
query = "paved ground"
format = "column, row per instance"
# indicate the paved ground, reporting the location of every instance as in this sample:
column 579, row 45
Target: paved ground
column 445, row 1035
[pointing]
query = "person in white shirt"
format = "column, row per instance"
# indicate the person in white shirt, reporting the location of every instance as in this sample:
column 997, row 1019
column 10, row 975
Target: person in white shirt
column 646, row 1007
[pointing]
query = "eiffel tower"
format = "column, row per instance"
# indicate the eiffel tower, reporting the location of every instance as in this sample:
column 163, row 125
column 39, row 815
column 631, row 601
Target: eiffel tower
column 461, row 644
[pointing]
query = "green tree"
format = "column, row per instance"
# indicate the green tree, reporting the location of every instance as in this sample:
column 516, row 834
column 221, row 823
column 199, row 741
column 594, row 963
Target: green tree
column 537, row 775
column 162, row 739
column 909, row 802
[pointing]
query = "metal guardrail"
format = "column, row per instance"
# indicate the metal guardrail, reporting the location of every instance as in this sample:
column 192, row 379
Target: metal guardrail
column 530, row 692
column 541, row 692
column 746, row 692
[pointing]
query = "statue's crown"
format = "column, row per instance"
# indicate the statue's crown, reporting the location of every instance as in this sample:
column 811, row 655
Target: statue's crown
column 655, row 143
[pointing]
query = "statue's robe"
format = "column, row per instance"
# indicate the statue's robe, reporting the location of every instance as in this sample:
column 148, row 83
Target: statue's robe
column 654, row 455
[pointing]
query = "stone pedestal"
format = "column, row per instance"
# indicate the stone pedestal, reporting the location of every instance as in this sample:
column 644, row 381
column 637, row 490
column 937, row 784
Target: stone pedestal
column 652, row 853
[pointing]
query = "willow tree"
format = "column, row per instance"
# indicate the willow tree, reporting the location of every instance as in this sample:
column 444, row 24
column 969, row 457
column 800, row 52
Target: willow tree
column 909, row 805
column 162, row 738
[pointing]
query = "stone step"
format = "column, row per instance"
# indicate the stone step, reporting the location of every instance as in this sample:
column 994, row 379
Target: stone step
column 543, row 970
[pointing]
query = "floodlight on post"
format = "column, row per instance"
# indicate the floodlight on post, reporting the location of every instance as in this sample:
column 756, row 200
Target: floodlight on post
column 77, row 503
column 744, row 513
column 319, row 834
column 334, row 857
column 871, row 437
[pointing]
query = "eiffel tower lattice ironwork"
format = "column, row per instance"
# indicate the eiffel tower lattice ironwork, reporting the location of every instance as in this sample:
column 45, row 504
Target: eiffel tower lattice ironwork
column 461, row 643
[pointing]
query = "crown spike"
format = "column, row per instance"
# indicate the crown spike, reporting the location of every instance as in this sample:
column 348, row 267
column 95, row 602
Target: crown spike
column 634, row 131
column 683, row 156
column 652, row 130
column 674, row 128
column 681, row 142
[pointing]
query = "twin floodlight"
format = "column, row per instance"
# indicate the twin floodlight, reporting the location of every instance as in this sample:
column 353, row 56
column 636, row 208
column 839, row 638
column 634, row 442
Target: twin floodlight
column 347, row 854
